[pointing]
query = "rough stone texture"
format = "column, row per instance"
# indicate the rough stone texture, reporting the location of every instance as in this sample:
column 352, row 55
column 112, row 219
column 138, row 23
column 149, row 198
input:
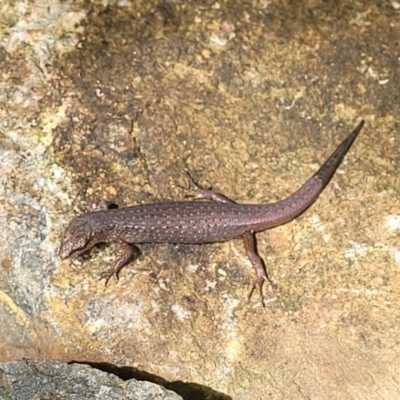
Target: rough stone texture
column 49, row 380
column 116, row 99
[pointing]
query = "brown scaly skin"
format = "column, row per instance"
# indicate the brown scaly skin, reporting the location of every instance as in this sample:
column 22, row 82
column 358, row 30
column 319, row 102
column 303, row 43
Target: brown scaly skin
column 195, row 222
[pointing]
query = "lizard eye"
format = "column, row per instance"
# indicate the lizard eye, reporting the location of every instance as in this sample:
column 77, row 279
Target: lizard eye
column 74, row 240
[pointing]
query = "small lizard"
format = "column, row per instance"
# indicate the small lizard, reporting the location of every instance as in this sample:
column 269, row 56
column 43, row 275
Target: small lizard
column 195, row 222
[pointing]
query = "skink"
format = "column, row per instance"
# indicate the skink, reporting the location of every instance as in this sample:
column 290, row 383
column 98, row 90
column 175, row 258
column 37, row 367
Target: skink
column 195, row 221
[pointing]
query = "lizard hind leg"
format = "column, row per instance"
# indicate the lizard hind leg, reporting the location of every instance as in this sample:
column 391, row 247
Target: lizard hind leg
column 262, row 276
column 201, row 193
column 248, row 238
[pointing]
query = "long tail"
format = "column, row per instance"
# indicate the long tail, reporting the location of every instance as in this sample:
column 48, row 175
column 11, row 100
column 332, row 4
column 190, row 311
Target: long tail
column 329, row 167
column 285, row 210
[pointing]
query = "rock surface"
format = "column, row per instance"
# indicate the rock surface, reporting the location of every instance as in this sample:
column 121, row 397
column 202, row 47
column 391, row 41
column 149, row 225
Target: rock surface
column 30, row 379
column 115, row 100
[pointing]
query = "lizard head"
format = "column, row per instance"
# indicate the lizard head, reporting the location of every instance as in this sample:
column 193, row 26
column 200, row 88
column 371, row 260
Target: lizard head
column 76, row 238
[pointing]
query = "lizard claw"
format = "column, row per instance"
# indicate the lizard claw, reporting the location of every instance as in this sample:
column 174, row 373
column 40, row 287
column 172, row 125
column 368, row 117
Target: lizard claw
column 107, row 275
column 259, row 283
